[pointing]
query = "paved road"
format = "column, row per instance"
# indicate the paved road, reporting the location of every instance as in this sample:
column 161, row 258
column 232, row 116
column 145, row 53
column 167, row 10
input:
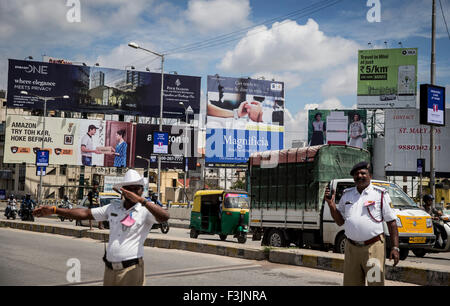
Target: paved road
column 30, row 258
column 437, row 258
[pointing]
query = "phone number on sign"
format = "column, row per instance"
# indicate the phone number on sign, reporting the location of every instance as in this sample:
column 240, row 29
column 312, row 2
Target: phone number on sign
column 418, row 147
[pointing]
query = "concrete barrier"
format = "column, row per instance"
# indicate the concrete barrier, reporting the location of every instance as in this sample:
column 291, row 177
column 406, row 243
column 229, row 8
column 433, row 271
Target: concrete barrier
column 415, row 273
column 181, row 213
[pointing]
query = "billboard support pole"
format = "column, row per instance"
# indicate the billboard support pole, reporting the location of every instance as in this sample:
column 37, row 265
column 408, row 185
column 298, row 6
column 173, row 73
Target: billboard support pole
column 45, row 99
column 432, row 76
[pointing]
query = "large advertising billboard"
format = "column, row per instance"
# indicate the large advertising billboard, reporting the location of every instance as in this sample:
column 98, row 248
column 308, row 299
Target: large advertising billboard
column 100, row 90
column 94, row 142
column 406, row 140
column 345, row 127
column 243, row 116
column 387, row 78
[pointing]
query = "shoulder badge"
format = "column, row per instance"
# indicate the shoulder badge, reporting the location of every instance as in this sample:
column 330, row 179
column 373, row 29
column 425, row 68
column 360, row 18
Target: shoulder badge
column 347, row 189
column 378, row 188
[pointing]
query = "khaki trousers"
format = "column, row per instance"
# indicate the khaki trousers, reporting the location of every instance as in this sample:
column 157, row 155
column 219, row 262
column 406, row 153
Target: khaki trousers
column 365, row 263
column 131, row 276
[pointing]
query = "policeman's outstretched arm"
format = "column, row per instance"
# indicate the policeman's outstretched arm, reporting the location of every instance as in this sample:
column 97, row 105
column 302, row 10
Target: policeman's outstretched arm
column 330, row 199
column 76, row 213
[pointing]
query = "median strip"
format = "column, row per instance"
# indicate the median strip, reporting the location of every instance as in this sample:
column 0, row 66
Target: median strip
column 420, row 274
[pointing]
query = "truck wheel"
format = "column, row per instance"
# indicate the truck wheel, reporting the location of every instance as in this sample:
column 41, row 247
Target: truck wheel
column 419, row 252
column 403, row 253
column 339, row 245
column 193, row 234
column 276, row 238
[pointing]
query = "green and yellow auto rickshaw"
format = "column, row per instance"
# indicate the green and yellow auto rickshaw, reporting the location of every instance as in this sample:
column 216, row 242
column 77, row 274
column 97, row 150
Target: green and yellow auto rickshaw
column 220, row 212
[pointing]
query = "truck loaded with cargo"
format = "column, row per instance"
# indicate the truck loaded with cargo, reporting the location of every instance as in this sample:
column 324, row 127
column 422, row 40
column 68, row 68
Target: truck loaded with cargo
column 287, row 199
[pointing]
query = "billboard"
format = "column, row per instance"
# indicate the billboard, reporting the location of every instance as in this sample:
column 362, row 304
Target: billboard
column 387, row 78
column 243, row 116
column 406, row 140
column 432, row 105
column 345, row 127
column 100, row 90
column 91, row 142
column 178, row 138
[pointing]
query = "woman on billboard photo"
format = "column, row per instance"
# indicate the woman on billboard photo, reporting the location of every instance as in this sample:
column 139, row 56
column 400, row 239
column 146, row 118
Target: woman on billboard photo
column 356, row 132
column 319, row 127
column 120, row 153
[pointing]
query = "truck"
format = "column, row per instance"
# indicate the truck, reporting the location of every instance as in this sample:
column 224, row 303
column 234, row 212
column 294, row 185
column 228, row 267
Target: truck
column 287, row 204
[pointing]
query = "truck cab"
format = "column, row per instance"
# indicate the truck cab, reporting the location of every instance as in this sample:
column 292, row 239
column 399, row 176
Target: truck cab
column 415, row 226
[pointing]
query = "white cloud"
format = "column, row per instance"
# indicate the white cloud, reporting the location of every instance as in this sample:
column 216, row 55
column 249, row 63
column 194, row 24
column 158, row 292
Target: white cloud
column 341, row 81
column 221, row 15
column 288, row 46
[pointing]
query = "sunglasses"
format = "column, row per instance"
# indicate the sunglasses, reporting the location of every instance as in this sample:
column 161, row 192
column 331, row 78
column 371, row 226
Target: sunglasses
column 132, row 187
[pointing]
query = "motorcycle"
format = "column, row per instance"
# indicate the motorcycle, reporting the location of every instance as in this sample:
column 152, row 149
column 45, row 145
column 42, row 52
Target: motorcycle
column 442, row 243
column 11, row 211
column 164, row 227
column 66, row 205
column 27, row 214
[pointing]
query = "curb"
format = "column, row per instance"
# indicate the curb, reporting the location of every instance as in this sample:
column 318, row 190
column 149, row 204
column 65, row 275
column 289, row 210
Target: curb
column 425, row 275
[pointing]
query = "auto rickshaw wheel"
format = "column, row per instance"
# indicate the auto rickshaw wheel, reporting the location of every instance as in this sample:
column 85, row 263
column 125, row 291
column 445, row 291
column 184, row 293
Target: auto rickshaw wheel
column 223, row 237
column 194, row 233
column 242, row 238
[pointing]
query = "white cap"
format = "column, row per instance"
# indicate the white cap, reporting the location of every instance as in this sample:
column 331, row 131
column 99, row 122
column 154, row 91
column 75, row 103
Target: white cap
column 132, row 177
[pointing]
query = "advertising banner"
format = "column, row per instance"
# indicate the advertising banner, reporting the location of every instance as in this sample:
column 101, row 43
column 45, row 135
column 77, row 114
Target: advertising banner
column 432, row 105
column 337, row 127
column 92, row 142
column 406, row 141
column 387, row 78
column 243, row 116
column 178, row 138
column 100, row 90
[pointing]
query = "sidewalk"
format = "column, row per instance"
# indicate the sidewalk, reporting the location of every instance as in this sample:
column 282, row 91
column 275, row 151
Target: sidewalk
column 408, row 272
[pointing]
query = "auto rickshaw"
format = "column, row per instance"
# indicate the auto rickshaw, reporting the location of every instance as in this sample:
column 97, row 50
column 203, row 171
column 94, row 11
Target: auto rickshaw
column 220, row 212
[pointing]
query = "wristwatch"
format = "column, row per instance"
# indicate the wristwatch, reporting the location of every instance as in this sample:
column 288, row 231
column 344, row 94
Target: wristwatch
column 397, row 249
column 235, row 113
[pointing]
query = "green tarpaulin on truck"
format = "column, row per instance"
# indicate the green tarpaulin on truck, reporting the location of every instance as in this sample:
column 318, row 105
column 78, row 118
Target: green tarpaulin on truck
column 297, row 177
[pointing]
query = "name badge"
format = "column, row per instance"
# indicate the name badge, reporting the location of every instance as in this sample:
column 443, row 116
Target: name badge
column 369, row 203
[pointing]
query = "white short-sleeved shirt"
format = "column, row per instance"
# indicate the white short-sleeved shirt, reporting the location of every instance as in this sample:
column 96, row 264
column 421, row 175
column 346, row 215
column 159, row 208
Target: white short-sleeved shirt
column 125, row 242
column 86, row 140
column 355, row 207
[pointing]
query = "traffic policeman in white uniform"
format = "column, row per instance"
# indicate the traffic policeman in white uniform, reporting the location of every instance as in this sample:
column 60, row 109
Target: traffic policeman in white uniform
column 362, row 210
column 130, row 221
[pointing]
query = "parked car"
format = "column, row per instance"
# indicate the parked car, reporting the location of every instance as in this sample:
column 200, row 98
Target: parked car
column 105, row 199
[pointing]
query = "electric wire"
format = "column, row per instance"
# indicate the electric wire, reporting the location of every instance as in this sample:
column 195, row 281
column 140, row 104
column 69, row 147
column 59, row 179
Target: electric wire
column 443, row 16
column 234, row 36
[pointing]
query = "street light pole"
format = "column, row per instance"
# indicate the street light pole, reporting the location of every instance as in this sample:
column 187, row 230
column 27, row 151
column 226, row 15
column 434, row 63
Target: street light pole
column 148, row 170
column 432, row 81
column 187, row 112
column 136, row 46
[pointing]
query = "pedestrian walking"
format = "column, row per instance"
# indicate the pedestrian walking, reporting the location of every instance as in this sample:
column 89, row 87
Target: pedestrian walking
column 362, row 210
column 130, row 222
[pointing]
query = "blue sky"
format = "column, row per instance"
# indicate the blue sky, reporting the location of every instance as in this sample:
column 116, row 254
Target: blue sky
column 314, row 53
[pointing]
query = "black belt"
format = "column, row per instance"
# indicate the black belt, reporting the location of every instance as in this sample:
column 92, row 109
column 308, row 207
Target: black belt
column 367, row 242
column 121, row 265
